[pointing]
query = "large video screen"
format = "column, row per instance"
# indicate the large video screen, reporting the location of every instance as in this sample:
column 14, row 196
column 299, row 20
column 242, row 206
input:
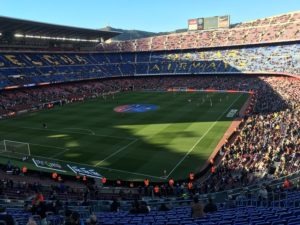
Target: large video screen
column 193, row 24
column 211, row 23
column 207, row 23
column 224, row 22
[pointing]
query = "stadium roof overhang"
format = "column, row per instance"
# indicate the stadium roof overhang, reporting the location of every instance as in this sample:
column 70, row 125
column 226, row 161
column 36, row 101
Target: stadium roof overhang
column 27, row 27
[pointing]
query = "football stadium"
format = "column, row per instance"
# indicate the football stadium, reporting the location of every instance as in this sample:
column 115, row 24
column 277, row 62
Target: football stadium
column 200, row 126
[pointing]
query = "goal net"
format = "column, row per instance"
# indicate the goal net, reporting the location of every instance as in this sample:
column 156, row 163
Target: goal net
column 14, row 149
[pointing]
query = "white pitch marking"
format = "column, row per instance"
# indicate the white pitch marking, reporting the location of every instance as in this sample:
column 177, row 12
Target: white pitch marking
column 116, row 152
column 128, row 172
column 201, row 138
column 73, row 132
column 60, row 153
column 104, row 168
column 48, row 146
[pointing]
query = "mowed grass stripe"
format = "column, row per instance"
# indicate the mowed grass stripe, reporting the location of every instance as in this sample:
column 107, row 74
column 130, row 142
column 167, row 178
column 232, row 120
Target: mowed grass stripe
column 136, row 155
column 119, row 150
column 152, row 157
column 164, row 136
column 203, row 136
column 202, row 151
column 78, row 143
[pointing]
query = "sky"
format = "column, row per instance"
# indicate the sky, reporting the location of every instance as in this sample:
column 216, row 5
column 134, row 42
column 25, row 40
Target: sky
column 148, row 15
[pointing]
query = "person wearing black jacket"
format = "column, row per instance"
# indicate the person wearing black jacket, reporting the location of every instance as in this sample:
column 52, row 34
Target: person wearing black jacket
column 41, row 211
column 8, row 219
column 210, row 207
column 115, row 206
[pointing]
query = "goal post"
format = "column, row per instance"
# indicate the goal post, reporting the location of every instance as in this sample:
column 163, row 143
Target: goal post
column 15, row 149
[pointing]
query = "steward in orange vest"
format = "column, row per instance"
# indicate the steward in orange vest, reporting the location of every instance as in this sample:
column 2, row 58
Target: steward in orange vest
column 192, row 176
column 190, row 185
column 213, row 169
column 171, row 182
column 103, row 180
column 156, row 189
column 54, row 176
column 24, row 169
column 146, row 182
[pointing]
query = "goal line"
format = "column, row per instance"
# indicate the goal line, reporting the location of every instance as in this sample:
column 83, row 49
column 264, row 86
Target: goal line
column 15, row 149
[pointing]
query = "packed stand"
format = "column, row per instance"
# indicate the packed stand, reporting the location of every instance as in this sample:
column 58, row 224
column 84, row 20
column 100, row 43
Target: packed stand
column 275, row 116
column 250, row 159
column 267, row 30
column 31, row 69
column 268, row 145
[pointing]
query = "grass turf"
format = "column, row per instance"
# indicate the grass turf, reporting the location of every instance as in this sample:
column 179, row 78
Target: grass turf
column 177, row 138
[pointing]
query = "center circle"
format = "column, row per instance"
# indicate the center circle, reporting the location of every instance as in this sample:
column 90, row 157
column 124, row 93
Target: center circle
column 135, row 108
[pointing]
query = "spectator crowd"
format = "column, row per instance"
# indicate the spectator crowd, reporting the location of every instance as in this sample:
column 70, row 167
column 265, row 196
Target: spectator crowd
column 266, row 30
column 266, row 147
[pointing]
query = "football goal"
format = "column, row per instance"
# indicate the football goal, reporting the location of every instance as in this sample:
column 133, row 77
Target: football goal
column 14, row 149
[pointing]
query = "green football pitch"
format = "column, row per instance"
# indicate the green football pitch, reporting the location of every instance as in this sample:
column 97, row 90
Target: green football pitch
column 170, row 142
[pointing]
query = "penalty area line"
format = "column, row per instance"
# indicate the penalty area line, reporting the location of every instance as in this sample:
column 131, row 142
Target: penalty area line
column 50, row 146
column 125, row 171
column 74, row 132
column 116, row 152
column 133, row 173
column 47, row 146
column 99, row 167
column 201, row 138
column 61, row 153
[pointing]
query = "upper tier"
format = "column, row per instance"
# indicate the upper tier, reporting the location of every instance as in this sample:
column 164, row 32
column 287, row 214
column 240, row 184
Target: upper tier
column 23, row 69
column 275, row 29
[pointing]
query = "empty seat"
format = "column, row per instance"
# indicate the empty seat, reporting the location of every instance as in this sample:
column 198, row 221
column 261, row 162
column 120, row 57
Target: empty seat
column 279, row 222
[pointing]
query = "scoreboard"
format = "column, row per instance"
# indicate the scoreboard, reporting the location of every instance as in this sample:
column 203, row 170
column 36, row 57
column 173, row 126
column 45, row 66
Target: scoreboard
column 223, row 21
column 193, row 24
column 210, row 23
column 207, row 23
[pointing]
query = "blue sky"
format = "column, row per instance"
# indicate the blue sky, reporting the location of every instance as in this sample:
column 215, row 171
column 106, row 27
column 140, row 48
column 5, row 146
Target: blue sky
column 149, row 15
